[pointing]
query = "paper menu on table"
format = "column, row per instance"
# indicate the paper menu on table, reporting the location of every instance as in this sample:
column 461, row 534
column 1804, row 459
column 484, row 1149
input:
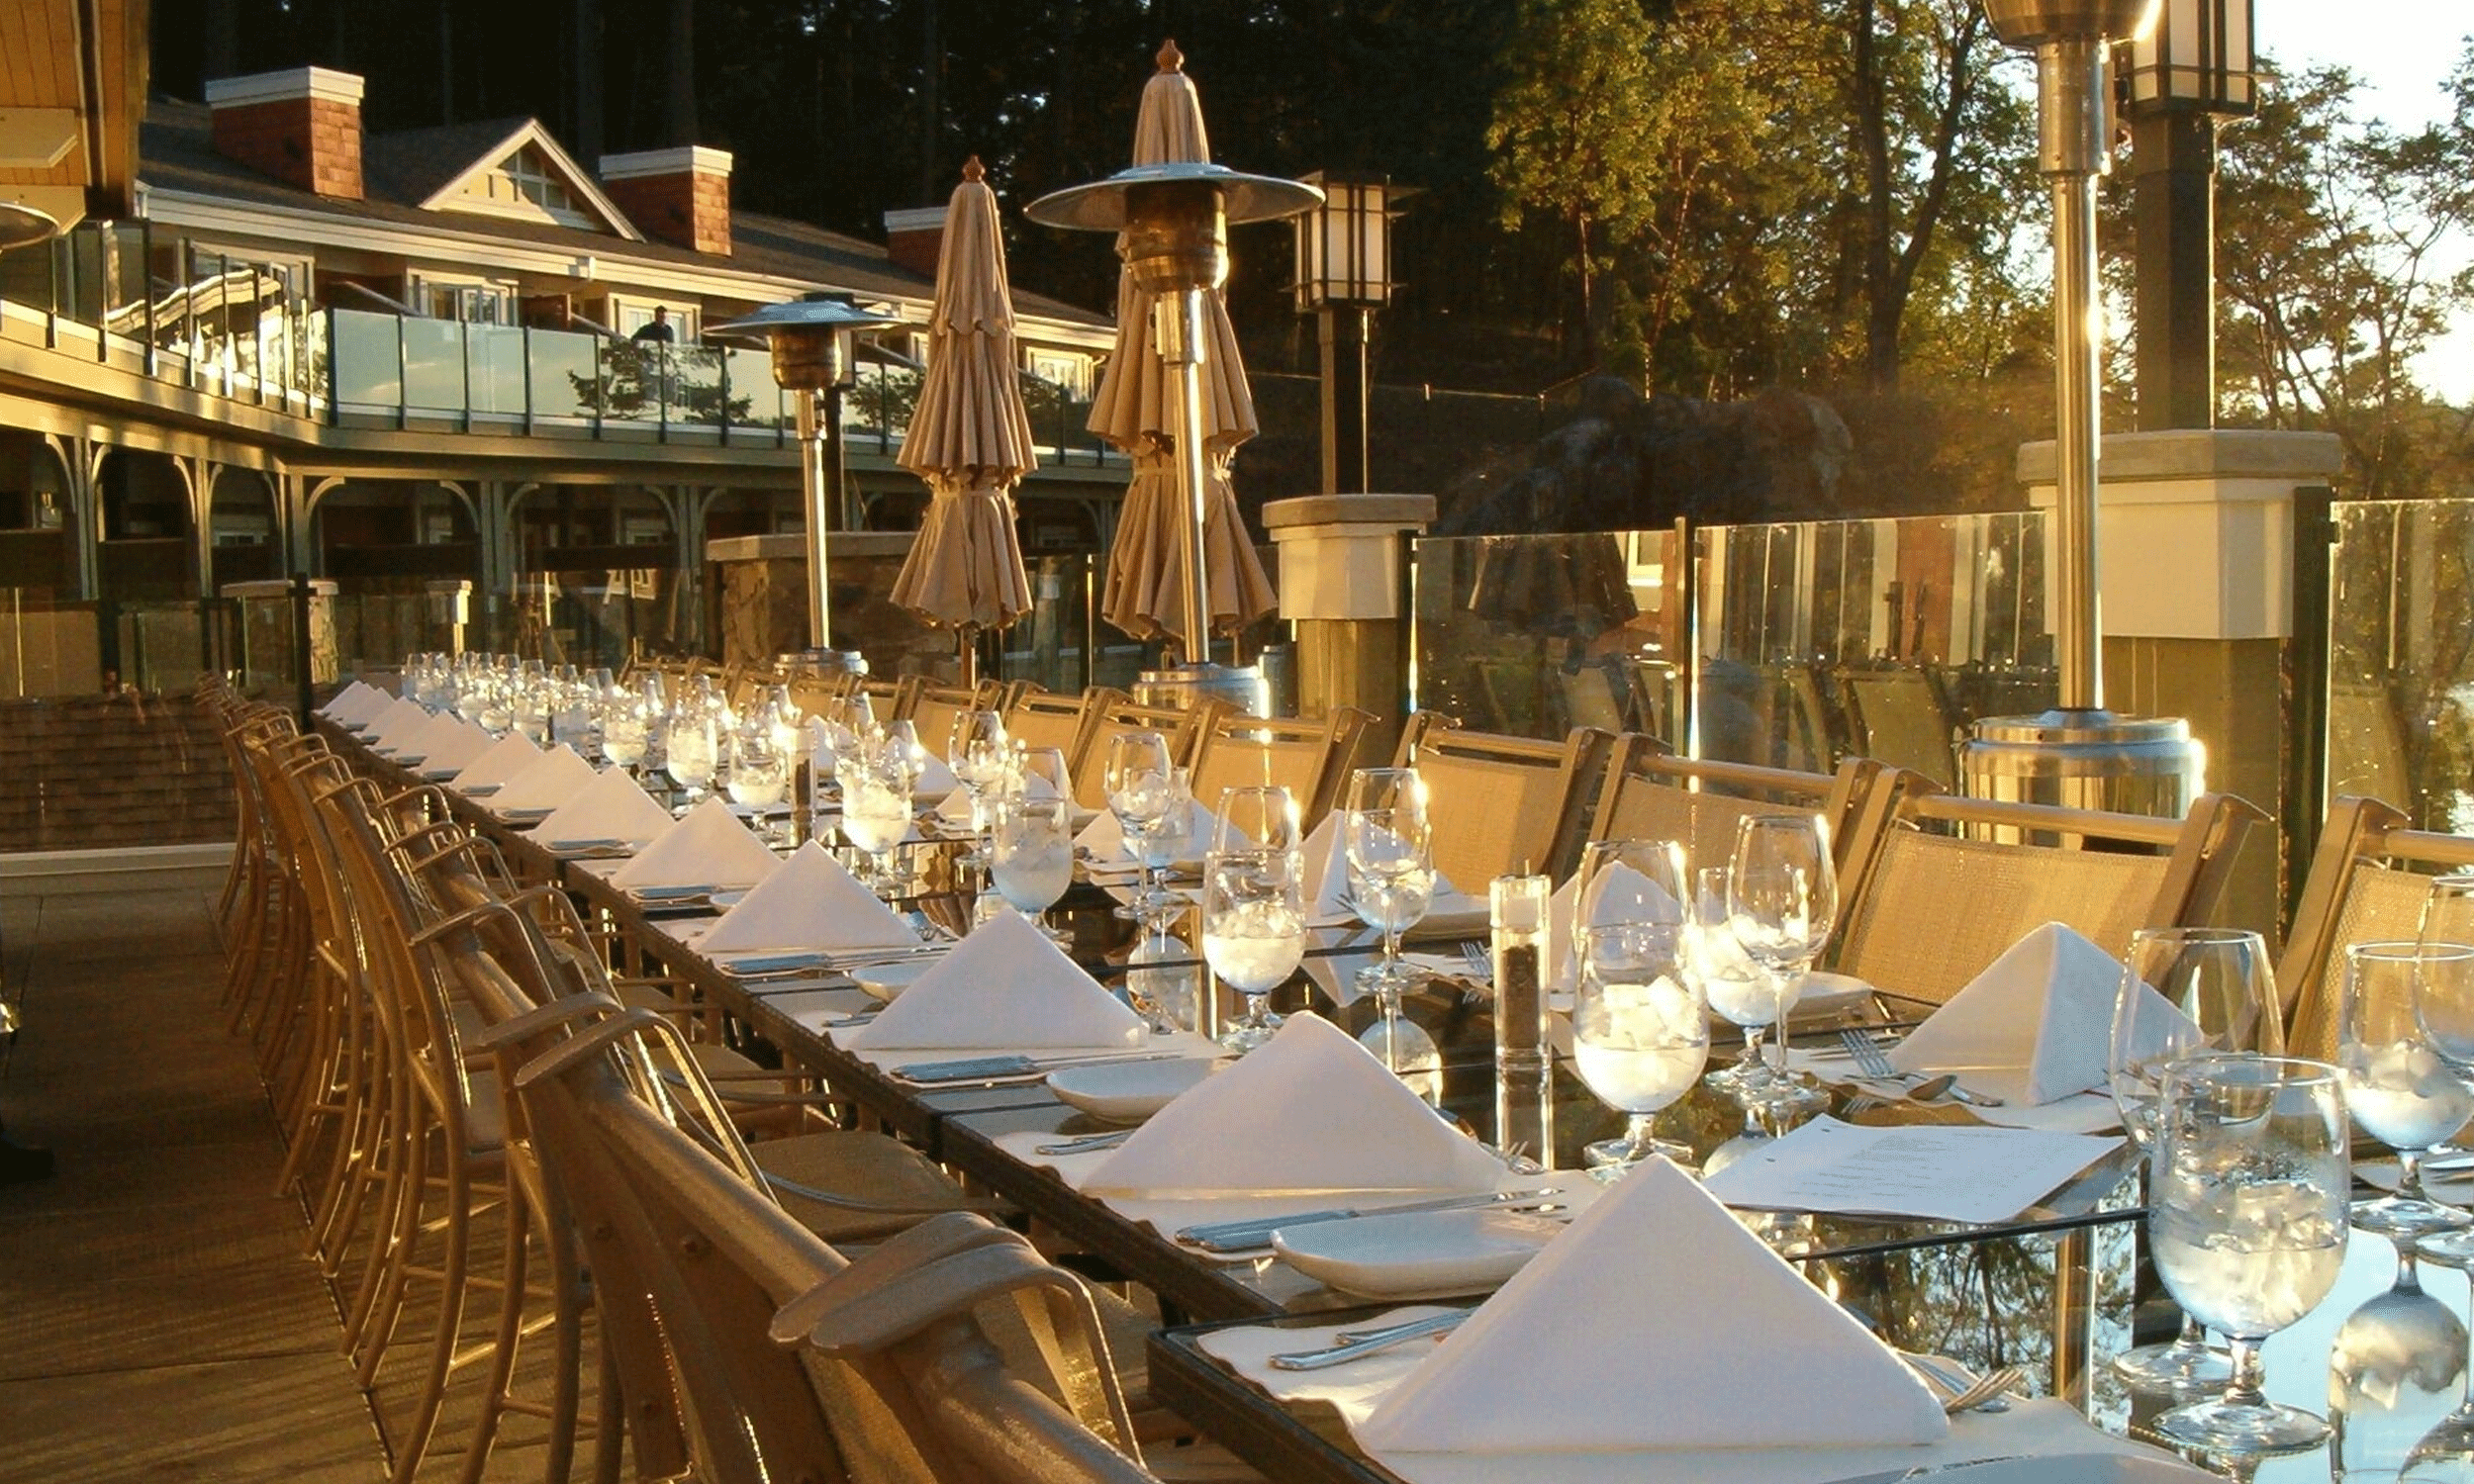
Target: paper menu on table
column 1932, row 1172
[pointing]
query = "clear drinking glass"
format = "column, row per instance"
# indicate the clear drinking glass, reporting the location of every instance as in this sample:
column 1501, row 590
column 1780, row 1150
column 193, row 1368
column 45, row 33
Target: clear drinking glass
column 1253, row 933
column 2246, row 1224
column 1160, row 846
column 1031, row 853
column 1140, row 782
column 1042, row 772
column 2448, row 911
column 1262, row 817
column 2396, row 1088
column 2183, row 992
column 979, row 754
column 876, row 808
column 1743, row 992
column 1782, row 900
column 2443, row 1011
column 760, row 771
column 694, row 751
column 1628, row 882
column 1640, row 1032
column 1387, row 845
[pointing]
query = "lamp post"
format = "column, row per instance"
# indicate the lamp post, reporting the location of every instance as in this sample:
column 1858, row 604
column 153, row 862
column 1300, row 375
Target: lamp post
column 2193, row 66
column 811, row 343
column 2079, row 753
column 1344, row 275
column 1173, row 218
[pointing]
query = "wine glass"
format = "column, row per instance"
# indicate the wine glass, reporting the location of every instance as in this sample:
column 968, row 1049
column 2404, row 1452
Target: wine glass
column 979, row 758
column 2443, row 1011
column 1640, row 1032
column 1743, row 992
column 2246, row 1224
column 2396, row 1088
column 1783, row 899
column 904, row 737
column 1031, row 853
column 1627, row 881
column 624, row 731
column 2183, row 992
column 1139, row 782
column 1261, row 817
column 876, row 808
column 1161, row 845
column 1253, row 933
column 694, row 750
column 1388, row 844
column 760, row 771
column 2448, row 911
column 1042, row 772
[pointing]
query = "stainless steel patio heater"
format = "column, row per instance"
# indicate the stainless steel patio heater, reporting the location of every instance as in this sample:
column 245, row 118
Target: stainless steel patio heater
column 2078, row 754
column 810, row 340
column 1175, row 218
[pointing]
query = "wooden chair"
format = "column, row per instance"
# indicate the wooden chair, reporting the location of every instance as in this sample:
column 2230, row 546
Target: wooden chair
column 1504, row 805
column 1651, row 795
column 1114, row 716
column 1041, row 718
column 2368, row 880
column 931, row 708
column 1938, row 886
column 814, row 694
column 1311, row 759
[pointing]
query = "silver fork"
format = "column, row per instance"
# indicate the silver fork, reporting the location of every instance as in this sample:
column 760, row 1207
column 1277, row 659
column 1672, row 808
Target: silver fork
column 1872, row 1059
column 1989, row 1392
column 1480, row 960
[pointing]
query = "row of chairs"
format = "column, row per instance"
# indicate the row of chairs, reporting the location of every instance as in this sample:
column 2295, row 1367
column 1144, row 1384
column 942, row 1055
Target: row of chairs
column 454, row 1063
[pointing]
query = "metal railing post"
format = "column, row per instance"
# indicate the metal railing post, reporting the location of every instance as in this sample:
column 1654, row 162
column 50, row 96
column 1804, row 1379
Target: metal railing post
column 2309, row 673
column 661, row 363
column 335, row 400
column 402, row 380
column 525, row 335
column 463, row 347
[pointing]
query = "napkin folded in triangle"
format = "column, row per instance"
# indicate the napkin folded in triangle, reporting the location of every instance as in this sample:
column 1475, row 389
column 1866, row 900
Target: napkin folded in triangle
column 955, row 807
column 547, row 782
column 1326, row 855
column 707, row 848
column 1103, row 840
column 1004, row 988
column 1628, row 896
column 507, row 757
column 1318, row 1113
column 612, row 807
column 355, row 703
column 399, row 720
column 1656, row 1292
column 809, row 902
column 442, row 735
column 935, row 780
column 2037, row 1025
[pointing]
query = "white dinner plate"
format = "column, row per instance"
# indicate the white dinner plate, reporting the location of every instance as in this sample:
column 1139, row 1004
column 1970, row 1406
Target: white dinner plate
column 885, row 980
column 1127, row 1092
column 1429, row 1254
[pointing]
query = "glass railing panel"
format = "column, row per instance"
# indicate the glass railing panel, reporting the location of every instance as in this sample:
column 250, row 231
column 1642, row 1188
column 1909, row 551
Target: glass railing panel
column 755, row 400
column 368, row 371
column 48, row 646
column 498, row 369
column 566, row 376
column 2401, row 686
column 1054, row 645
column 633, row 380
column 696, row 391
column 597, row 616
column 433, row 365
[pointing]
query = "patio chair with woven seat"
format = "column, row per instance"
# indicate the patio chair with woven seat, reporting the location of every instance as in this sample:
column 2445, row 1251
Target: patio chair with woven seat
column 2369, row 879
column 1651, row 794
column 1310, row 758
column 1504, row 805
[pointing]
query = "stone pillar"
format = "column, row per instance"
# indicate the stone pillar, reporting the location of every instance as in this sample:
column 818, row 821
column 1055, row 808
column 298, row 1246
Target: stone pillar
column 2195, row 562
column 1344, row 583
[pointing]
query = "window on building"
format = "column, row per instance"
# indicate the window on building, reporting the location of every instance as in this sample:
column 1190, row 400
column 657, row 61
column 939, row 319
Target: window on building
column 527, row 184
column 475, row 300
column 1066, row 370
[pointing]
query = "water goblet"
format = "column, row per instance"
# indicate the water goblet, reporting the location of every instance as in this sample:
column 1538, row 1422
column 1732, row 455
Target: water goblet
column 1387, row 850
column 2396, row 1088
column 1782, row 900
column 1743, row 992
column 1031, row 853
column 694, row 752
column 2448, row 910
column 876, row 809
column 979, row 757
column 625, row 732
column 1639, row 1034
column 1253, row 933
column 1139, row 782
column 2246, row 1224
column 1622, row 882
column 1042, row 772
column 760, row 771
column 1261, row 817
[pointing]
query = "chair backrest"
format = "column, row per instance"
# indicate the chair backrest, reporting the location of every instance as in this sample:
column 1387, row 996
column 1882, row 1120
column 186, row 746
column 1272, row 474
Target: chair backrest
column 1651, row 795
column 812, row 694
column 2368, row 880
column 1932, row 898
column 1502, row 805
column 1311, row 759
column 933, row 709
column 2366, row 753
column 1041, row 718
column 1898, row 717
column 1111, row 715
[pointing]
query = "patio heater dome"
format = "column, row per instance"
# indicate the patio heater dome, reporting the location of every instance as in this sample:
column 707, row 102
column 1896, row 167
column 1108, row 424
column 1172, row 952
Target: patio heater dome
column 810, row 337
column 2029, row 22
column 23, row 225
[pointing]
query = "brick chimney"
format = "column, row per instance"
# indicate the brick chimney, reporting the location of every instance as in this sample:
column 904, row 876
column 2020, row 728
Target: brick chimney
column 680, row 195
column 914, row 237
column 302, row 127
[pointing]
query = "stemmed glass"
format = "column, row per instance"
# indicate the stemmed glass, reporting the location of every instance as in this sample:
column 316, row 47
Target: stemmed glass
column 2396, row 1086
column 760, row 771
column 1046, row 764
column 1640, row 1032
column 624, row 731
column 2448, row 911
column 876, row 807
column 1253, row 932
column 2183, row 992
column 1388, row 843
column 1783, row 899
column 2246, row 1222
column 1629, row 882
column 1262, row 817
column 694, row 749
column 1031, row 853
column 979, row 755
column 1141, row 787
column 1743, row 992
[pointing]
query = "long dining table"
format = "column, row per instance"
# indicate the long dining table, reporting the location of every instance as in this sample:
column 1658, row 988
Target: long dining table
column 2052, row 1290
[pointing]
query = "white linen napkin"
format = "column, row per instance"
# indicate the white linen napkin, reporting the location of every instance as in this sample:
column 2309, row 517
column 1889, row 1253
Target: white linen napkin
column 399, row 720
column 507, row 757
column 1004, row 988
column 935, row 780
column 612, row 807
column 455, row 747
column 1326, row 855
column 436, row 732
column 809, row 902
column 547, row 782
column 707, row 848
column 2037, row 1025
column 1308, row 1110
column 355, row 703
column 955, row 807
column 1656, row 1292
column 1103, row 841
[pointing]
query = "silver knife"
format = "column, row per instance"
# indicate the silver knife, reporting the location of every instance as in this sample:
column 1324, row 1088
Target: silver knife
column 1245, row 1235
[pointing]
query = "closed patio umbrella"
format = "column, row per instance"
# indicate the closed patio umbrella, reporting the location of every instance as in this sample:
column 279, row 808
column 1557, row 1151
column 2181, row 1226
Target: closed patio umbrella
column 1136, row 410
column 968, row 437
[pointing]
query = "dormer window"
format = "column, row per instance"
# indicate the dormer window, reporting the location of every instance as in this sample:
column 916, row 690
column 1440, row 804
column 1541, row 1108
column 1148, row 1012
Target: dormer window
column 524, row 184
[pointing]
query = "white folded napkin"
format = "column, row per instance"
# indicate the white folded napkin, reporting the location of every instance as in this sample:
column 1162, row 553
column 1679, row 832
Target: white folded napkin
column 436, row 733
column 1308, row 1110
column 355, row 703
column 955, row 807
column 610, row 806
column 1326, row 855
column 1656, row 1292
column 507, row 757
column 1103, row 841
column 455, row 746
column 2037, row 1025
column 399, row 720
column 935, row 778
column 809, row 902
column 707, row 848
column 1004, row 988
column 547, row 782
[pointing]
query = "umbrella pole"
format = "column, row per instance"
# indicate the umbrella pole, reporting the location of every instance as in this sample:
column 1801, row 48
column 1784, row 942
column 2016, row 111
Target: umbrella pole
column 1178, row 326
column 967, row 653
column 812, row 486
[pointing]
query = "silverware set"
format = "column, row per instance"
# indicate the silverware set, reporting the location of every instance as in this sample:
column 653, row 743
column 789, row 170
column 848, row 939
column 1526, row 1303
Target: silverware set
column 1872, row 1059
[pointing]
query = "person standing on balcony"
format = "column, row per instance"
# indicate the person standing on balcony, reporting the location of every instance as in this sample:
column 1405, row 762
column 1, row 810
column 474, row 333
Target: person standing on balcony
column 658, row 327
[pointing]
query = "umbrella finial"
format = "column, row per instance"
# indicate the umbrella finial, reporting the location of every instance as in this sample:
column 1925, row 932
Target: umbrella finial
column 972, row 169
column 1170, row 58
